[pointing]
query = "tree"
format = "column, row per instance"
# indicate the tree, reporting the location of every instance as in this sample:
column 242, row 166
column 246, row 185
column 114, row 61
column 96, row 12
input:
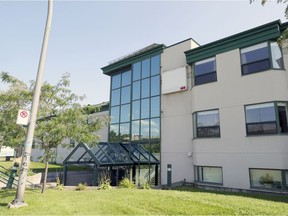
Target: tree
column 18, row 96
column 60, row 116
column 284, row 35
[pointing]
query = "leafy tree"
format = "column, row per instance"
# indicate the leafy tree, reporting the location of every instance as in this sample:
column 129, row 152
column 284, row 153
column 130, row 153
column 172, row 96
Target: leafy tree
column 18, row 96
column 284, row 36
column 60, row 116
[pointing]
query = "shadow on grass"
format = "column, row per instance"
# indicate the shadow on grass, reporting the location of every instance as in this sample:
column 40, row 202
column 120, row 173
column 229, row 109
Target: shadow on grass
column 257, row 195
column 4, row 193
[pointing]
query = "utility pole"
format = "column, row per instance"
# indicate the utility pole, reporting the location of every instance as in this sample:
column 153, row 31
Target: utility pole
column 19, row 200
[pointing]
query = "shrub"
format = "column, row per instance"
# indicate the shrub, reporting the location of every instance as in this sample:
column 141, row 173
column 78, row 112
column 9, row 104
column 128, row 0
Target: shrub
column 105, row 184
column 126, row 183
column 59, row 186
column 81, row 186
column 146, row 185
column 105, row 181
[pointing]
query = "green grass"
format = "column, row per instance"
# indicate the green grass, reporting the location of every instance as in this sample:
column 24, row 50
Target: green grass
column 186, row 201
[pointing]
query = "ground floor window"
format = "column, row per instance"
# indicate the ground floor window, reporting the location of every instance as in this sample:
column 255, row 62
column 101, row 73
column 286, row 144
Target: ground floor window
column 208, row 174
column 268, row 179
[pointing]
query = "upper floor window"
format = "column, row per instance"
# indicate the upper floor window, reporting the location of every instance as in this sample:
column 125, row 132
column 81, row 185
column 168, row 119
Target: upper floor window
column 207, row 123
column 116, row 81
column 261, row 57
column 205, row 71
column 266, row 118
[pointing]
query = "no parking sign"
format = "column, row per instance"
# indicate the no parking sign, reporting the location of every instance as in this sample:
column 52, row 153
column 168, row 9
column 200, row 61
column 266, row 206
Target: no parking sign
column 23, row 117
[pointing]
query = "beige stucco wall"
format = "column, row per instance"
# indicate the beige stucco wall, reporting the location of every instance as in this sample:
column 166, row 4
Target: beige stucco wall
column 234, row 151
column 176, row 119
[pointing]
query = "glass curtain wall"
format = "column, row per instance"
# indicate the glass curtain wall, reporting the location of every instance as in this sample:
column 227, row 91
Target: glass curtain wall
column 135, row 112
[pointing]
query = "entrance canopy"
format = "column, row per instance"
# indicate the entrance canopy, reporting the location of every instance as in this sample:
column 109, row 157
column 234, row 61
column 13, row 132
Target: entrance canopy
column 110, row 154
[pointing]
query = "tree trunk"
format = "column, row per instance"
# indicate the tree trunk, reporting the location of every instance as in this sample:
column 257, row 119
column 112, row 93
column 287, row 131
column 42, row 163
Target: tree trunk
column 45, row 176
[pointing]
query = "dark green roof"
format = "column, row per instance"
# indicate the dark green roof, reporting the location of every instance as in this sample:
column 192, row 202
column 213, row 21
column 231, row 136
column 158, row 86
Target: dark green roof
column 259, row 34
column 128, row 60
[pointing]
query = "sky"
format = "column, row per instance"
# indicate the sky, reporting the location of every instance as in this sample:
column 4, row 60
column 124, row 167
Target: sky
column 86, row 35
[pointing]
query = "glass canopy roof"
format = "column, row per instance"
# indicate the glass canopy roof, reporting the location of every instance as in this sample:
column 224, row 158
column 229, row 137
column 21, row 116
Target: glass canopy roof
column 110, row 154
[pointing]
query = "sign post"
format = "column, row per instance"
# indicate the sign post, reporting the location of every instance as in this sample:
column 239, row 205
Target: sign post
column 19, row 199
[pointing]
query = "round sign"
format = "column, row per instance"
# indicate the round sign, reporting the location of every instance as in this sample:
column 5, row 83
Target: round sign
column 23, row 114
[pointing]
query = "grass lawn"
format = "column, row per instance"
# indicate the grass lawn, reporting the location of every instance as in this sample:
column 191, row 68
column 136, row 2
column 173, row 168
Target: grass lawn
column 187, row 201
column 37, row 167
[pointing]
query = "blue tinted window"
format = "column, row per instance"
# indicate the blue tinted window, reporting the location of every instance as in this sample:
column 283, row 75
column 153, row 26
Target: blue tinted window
column 260, row 113
column 126, row 78
column 136, row 110
column 155, row 85
column 205, row 68
column 145, row 88
column 114, row 133
column 256, row 66
column 125, row 95
column 145, row 108
column 146, row 68
column 155, row 65
column 116, row 81
column 135, row 130
column 136, row 90
column 125, row 113
column 155, row 128
column 255, row 58
column 145, row 129
column 137, row 71
column 207, row 124
column 124, row 131
column 207, row 78
column 261, row 119
column 205, row 71
column 208, row 118
column 115, row 97
column 255, row 55
column 115, row 114
column 155, row 107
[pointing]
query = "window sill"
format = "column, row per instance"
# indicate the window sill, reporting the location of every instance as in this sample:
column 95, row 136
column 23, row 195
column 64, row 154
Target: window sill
column 195, row 138
column 276, row 134
column 269, row 69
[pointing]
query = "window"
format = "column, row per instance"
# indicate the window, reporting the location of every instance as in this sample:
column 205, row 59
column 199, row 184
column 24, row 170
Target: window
column 207, row 124
column 72, row 143
column 116, row 81
column 207, row 174
column 267, row 178
column 266, row 118
column 205, row 71
column 126, row 78
column 135, row 102
column 261, row 57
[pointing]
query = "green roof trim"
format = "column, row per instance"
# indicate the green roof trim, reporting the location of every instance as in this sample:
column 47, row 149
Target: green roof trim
column 250, row 37
column 156, row 49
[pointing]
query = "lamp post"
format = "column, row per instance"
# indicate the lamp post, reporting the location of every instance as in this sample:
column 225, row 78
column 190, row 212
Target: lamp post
column 19, row 200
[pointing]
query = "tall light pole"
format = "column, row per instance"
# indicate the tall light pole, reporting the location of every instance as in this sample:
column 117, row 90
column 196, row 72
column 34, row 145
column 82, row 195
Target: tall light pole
column 19, row 200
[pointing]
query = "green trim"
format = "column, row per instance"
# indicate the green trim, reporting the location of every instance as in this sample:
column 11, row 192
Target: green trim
column 111, row 68
column 247, row 38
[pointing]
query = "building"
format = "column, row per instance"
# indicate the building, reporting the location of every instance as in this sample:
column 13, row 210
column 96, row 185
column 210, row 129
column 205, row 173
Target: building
column 215, row 114
column 63, row 150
